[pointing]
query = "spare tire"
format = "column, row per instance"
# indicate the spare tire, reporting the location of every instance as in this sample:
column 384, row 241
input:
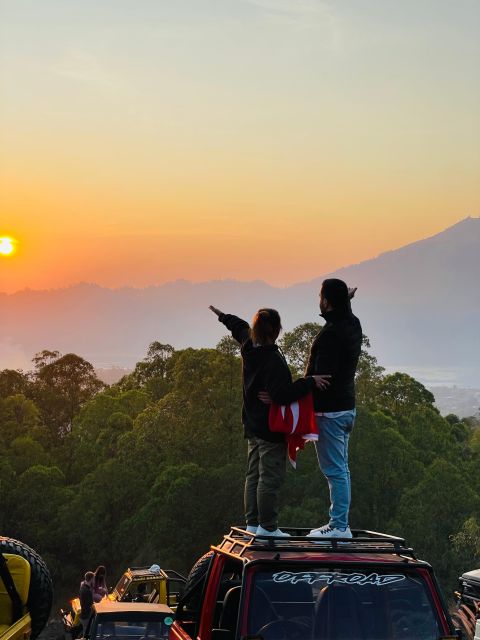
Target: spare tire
column 198, row 571
column 40, row 593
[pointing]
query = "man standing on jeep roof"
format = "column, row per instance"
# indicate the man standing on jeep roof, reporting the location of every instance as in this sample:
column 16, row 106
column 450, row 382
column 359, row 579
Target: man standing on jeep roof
column 335, row 350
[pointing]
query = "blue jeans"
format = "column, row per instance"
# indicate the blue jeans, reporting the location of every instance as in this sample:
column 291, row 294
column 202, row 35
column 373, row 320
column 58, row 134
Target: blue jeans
column 332, row 454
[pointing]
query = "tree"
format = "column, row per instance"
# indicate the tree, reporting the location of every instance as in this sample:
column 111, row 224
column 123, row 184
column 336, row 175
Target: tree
column 38, row 497
column 467, row 543
column 62, row 384
column 98, row 426
column 368, row 377
column 202, row 409
column 13, row 382
column 44, row 358
column 475, row 440
column 19, row 416
column 159, row 458
column 430, row 435
column 7, row 484
column 90, row 522
column 430, row 513
column 228, row 346
column 178, row 519
column 25, row 452
column 400, row 394
column 296, row 345
column 106, row 444
column 383, row 465
column 151, row 373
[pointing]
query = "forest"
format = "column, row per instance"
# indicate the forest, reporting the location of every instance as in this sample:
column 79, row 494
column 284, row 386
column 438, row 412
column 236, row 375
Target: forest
column 150, row 469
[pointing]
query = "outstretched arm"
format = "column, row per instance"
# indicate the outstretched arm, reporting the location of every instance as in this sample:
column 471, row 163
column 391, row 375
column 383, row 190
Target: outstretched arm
column 239, row 329
column 216, row 311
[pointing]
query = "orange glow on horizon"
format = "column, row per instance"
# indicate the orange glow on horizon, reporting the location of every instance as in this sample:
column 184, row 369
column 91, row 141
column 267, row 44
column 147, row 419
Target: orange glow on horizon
column 274, row 141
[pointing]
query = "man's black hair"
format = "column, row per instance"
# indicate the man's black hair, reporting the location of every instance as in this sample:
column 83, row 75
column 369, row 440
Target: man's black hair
column 336, row 292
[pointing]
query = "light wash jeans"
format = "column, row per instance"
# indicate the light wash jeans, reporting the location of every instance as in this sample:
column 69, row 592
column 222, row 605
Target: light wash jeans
column 332, row 452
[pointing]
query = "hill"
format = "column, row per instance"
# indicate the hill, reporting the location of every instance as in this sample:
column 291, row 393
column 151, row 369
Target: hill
column 418, row 304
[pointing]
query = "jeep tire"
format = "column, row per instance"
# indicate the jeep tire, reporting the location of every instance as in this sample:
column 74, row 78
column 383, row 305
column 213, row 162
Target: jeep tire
column 198, row 571
column 40, row 593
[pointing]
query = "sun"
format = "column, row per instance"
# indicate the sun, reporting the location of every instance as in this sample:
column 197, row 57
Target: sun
column 7, row 246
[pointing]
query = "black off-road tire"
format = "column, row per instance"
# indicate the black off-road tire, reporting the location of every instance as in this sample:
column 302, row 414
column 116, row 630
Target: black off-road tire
column 198, row 570
column 40, row 593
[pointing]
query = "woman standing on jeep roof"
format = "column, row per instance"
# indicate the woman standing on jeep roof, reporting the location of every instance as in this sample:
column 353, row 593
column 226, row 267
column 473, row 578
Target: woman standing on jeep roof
column 264, row 369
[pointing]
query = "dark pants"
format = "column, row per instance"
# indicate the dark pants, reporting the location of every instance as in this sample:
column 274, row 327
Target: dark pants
column 84, row 622
column 266, row 464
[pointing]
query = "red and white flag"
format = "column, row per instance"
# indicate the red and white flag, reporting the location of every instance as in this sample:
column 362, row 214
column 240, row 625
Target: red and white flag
column 297, row 422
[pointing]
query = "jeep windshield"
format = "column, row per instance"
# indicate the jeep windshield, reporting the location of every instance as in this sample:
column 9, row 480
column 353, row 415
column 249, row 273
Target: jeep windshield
column 340, row 603
column 131, row 626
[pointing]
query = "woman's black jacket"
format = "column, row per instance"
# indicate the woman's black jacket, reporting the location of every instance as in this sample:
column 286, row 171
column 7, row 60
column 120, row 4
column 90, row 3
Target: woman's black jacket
column 264, row 369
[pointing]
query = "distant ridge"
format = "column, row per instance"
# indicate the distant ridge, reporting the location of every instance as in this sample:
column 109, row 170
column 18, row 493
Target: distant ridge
column 419, row 304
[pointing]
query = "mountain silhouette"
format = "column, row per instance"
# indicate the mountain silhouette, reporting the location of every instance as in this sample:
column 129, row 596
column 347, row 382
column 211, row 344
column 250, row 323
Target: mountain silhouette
column 419, row 305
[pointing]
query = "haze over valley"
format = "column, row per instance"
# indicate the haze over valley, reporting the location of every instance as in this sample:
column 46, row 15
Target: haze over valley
column 419, row 305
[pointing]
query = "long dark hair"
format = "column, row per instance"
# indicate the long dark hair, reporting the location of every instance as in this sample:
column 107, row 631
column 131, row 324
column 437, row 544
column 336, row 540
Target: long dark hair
column 100, row 575
column 266, row 326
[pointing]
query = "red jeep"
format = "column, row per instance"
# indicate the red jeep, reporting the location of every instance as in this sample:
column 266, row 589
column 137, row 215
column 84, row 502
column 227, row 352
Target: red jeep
column 370, row 587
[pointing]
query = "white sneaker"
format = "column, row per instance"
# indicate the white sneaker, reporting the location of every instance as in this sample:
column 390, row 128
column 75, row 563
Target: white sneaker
column 278, row 533
column 251, row 529
column 328, row 532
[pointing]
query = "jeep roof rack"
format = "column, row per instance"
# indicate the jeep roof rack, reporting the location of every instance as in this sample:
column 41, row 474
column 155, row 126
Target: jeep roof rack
column 171, row 574
column 238, row 541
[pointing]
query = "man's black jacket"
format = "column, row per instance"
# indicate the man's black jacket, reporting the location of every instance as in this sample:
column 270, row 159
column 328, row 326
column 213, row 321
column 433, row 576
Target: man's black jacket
column 335, row 351
column 264, row 369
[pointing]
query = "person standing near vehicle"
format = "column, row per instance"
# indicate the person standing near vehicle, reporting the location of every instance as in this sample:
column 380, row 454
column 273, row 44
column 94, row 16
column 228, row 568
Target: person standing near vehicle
column 335, row 350
column 86, row 601
column 100, row 589
column 264, row 368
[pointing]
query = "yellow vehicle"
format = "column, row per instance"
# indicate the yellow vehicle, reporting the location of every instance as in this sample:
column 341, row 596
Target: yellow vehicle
column 129, row 621
column 25, row 591
column 151, row 585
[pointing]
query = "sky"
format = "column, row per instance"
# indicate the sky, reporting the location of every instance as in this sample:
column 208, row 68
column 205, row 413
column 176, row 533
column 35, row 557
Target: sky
column 142, row 141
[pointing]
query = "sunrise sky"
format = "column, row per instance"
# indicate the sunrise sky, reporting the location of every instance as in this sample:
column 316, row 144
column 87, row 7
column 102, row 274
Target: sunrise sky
column 148, row 140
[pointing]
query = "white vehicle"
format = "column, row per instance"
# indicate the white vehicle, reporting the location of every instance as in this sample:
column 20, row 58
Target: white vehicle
column 467, row 600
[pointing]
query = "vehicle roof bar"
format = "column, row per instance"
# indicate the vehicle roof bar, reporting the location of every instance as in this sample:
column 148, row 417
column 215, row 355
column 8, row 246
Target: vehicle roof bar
column 238, row 541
